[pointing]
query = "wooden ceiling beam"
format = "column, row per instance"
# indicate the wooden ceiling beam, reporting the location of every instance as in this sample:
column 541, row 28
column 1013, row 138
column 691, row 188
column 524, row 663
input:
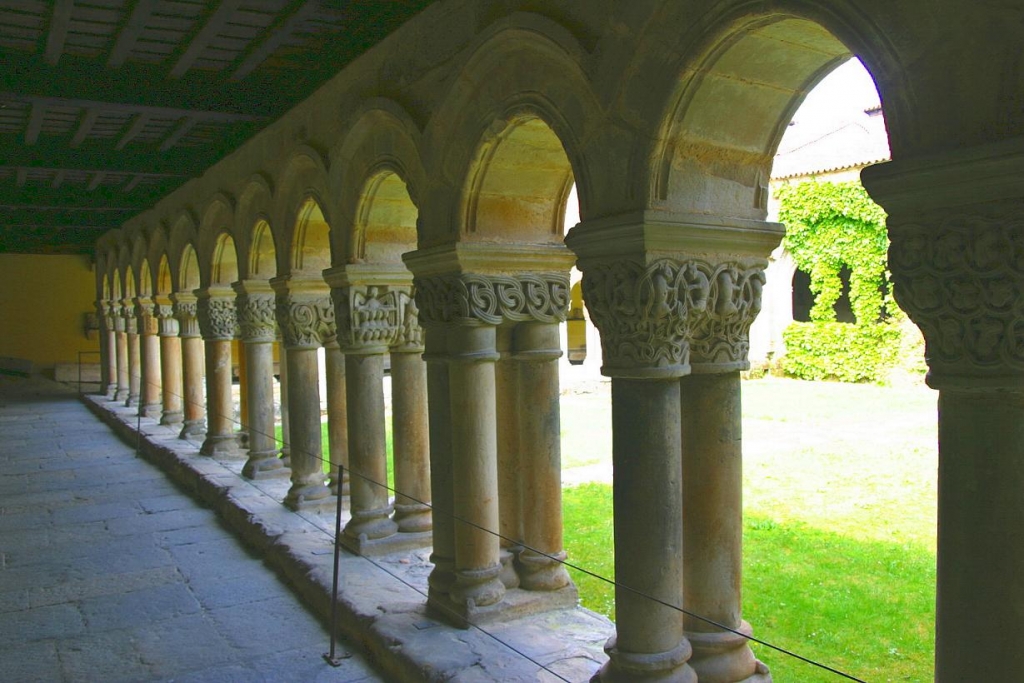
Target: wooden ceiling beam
column 178, row 133
column 213, row 26
column 57, row 34
column 127, row 108
column 138, row 125
column 128, row 36
column 96, row 181
column 85, row 127
column 278, row 34
column 35, row 122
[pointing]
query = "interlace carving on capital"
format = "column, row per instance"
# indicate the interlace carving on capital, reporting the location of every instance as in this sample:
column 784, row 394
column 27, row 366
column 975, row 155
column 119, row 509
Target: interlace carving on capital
column 472, row 299
column 720, row 331
column 217, row 318
column 186, row 312
column 256, row 317
column 962, row 283
column 644, row 311
column 305, row 321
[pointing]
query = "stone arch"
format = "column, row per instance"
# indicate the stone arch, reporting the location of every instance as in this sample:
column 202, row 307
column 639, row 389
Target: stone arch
column 188, row 269
column 140, row 261
column 181, row 250
column 522, row 76
column 382, row 147
column 301, row 214
column 224, row 261
column 262, row 255
column 164, row 283
column 217, row 222
column 253, row 212
column 733, row 96
column 157, row 255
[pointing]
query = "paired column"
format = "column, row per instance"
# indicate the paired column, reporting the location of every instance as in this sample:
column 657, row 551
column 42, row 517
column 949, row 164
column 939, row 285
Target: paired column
column 131, row 322
column 464, row 311
column 676, row 436
column 375, row 314
column 337, row 417
column 149, row 352
column 194, row 402
column 257, row 324
column 306, row 318
column 108, row 367
column 121, row 351
column 957, row 239
column 217, row 323
column 170, row 364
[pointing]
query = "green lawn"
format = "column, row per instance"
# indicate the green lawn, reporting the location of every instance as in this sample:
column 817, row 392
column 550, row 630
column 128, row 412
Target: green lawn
column 839, row 538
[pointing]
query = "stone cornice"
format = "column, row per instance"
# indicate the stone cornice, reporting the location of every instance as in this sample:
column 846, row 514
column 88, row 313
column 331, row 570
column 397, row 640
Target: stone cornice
column 486, row 258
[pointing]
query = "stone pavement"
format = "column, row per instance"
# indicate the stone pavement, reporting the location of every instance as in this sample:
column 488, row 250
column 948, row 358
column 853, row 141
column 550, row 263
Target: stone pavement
column 109, row 572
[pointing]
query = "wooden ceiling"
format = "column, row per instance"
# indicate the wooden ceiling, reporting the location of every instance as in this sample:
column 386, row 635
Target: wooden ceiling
column 107, row 105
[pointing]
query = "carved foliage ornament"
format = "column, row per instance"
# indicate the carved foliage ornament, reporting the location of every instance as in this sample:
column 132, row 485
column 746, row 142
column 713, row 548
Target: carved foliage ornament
column 962, row 282
column 217, row 319
column 256, row 317
column 168, row 323
column 187, row 314
column 471, row 299
column 305, row 322
column 144, row 311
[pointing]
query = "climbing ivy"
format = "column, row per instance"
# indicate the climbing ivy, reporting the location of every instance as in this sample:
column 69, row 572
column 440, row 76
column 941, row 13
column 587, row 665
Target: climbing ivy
column 829, row 227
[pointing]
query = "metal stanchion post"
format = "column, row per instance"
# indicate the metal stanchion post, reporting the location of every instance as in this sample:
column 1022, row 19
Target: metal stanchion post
column 333, row 658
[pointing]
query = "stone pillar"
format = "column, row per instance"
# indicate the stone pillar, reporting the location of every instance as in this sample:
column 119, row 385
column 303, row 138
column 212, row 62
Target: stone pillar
column 957, row 238
column 149, row 346
column 170, row 364
column 537, row 349
column 258, row 329
column 109, row 332
column 306, row 317
column 713, row 471
column 217, row 323
column 121, row 352
column 131, row 322
column 458, row 291
column 194, row 404
column 442, row 576
column 510, row 481
column 337, row 417
column 282, row 372
column 242, row 425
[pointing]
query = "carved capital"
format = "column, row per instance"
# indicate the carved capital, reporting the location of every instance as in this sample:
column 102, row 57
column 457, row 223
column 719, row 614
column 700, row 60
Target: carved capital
column 186, row 314
column 720, row 331
column 144, row 312
column 256, row 317
column 131, row 321
column 217, row 319
column 368, row 317
column 475, row 299
column 306, row 320
column 644, row 313
column 106, row 313
column 167, row 322
column 959, row 275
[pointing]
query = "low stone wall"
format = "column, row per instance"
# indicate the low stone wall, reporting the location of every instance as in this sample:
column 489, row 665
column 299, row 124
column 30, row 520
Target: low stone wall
column 381, row 602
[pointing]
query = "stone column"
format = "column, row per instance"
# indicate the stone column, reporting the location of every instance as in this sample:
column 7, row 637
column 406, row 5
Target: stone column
column 537, row 349
column 305, row 316
column 442, row 493
column 510, row 481
column 282, row 373
column 109, row 332
column 337, row 417
column 410, row 422
column 149, row 346
column 713, row 471
column 194, row 404
column 258, row 328
column 242, row 425
column 134, row 356
column 217, row 323
column 121, row 352
column 170, row 364
column 956, row 227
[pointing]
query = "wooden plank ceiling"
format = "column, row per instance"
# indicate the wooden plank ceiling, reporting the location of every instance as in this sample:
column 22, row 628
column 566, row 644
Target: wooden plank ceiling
column 107, row 105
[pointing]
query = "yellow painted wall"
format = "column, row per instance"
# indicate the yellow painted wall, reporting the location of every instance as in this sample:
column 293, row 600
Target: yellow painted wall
column 42, row 302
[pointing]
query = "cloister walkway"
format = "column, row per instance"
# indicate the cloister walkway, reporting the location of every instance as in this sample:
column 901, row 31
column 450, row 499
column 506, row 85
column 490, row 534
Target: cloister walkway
column 109, row 572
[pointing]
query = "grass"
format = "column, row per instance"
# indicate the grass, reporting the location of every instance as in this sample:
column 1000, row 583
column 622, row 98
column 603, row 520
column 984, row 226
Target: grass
column 839, row 535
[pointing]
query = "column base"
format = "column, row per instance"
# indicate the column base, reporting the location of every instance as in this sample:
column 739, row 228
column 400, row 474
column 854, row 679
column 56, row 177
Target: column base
column 636, row 667
column 509, row 576
column 220, row 445
column 541, row 573
column 131, row 401
column 441, row 578
column 332, row 483
column 264, row 465
column 395, row 543
column 121, row 395
column 725, row 657
column 515, row 604
column 369, row 525
column 413, row 518
column 309, row 497
column 192, row 428
column 172, row 419
column 152, row 411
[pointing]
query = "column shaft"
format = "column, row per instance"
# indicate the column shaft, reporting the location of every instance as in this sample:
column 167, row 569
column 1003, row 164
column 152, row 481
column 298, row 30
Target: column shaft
column 192, row 381
column 540, row 457
column 441, row 485
column 510, row 485
column 410, row 435
column 151, row 382
column 646, row 453
column 171, row 380
column 121, row 344
column 304, row 432
column 110, row 363
column 713, row 527
column 134, row 370
column 474, row 467
column 367, row 448
column 337, row 418
column 220, row 432
column 981, row 536
column 282, row 371
column 263, row 460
